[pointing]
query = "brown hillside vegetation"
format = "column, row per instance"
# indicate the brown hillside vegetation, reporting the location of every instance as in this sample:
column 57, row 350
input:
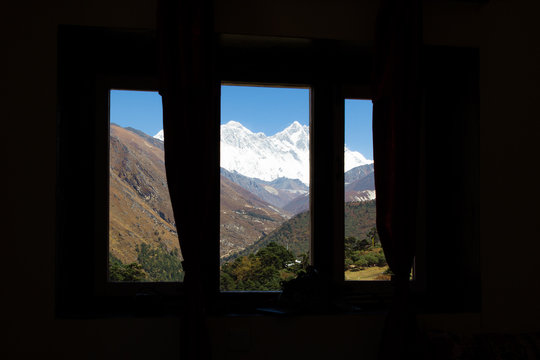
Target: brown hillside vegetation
column 140, row 209
column 294, row 233
column 244, row 218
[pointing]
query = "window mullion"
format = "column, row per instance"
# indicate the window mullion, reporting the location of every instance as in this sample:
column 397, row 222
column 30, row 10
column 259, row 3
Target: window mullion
column 327, row 179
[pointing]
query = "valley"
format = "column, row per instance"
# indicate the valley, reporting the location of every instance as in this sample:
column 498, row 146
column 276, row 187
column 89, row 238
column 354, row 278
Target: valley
column 254, row 211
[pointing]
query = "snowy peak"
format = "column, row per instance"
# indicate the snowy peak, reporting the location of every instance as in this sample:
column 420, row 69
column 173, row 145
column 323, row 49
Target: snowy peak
column 282, row 155
column 233, row 126
column 296, row 135
column 236, row 135
column 293, row 131
column 296, row 127
column 233, row 123
column 159, row 135
column 354, row 159
column 285, row 154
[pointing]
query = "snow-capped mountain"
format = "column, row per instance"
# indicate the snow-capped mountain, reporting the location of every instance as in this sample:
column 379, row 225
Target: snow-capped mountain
column 354, row 159
column 159, row 135
column 282, row 155
column 285, row 154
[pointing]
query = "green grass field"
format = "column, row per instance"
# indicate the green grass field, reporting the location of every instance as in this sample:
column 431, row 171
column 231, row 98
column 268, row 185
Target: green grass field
column 370, row 273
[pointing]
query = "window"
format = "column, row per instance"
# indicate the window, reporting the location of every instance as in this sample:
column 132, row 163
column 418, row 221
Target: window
column 364, row 256
column 264, row 200
column 94, row 61
column 143, row 242
column 84, row 162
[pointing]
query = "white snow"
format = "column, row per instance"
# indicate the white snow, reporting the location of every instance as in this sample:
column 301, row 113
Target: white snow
column 354, row 159
column 298, row 192
column 159, row 135
column 271, row 190
column 285, row 154
column 365, row 195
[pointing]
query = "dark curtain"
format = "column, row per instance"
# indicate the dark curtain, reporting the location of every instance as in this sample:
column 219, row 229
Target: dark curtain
column 396, row 117
column 190, row 96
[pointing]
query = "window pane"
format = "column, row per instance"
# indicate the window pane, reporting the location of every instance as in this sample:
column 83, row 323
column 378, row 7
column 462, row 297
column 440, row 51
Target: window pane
column 364, row 257
column 143, row 243
column 264, row 205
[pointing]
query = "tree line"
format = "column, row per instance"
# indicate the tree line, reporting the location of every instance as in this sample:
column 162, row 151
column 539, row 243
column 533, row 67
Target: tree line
column 154, row 264
column 264, row 270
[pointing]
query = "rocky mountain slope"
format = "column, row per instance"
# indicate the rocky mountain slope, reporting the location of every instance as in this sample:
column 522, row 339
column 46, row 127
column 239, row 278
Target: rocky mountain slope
column 278, row 192
column 244, row 218
column 360, row 183
column 294, row 234
column 251, row 206
column 359, row 186
column 140, row 209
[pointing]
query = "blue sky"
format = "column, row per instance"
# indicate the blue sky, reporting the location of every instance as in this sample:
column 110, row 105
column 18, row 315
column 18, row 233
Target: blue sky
column 264, row 109
column 358, row 130
column 260, row 109
column 270, row 110
column 141, row 110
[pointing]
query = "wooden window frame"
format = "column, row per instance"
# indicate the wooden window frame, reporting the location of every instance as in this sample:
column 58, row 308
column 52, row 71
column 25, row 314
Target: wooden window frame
column 94, row 60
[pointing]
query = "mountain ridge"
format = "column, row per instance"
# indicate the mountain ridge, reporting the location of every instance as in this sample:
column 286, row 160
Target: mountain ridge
column 140, row 209
column 294, row 234
column 278, row 192
column 282, row 155
column 244, row 218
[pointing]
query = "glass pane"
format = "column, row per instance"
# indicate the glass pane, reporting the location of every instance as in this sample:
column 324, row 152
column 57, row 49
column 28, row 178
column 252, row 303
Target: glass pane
column 364, row 257
column 264, row 205
column 143, row 243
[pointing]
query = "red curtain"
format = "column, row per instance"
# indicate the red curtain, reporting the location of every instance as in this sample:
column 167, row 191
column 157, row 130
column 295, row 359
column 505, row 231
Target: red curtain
column 190, row 96
column 396, row 116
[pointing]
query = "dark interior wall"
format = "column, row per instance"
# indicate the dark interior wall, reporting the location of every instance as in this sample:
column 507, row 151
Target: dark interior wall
column 342, row 19
column 506, row 33
column 510, row 84
column 309, row 337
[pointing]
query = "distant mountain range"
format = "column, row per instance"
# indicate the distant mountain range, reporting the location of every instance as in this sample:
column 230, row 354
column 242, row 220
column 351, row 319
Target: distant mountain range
column 141, row 211
column 278, row 192
column 360, row 183
column 282, row 155
column 359, row 186
column 251, row 207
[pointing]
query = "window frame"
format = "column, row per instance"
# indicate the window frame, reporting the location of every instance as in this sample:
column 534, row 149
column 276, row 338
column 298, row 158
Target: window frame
column 100, row 72
column 94, row 60
column 103, row 286
column 380, row 291
column 91, row 62
column 329, row 78
column 270, row 295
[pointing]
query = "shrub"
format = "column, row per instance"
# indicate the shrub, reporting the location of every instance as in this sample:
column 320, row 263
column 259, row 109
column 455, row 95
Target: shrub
column 125, row 272
column 262, row 271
